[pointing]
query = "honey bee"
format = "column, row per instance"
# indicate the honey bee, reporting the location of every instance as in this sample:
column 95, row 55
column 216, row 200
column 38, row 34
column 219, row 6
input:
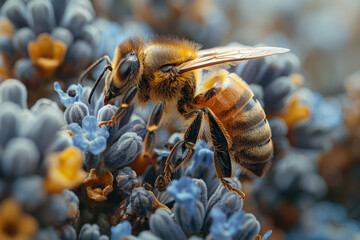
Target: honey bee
column 168, row 71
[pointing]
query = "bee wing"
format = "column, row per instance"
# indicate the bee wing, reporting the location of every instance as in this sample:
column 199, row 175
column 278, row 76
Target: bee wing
column 227, row 55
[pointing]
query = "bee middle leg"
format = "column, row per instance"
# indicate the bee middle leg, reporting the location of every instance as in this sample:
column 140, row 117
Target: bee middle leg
column 152, row 125
column 182, row 150
column 122, row 110
column 222, row 157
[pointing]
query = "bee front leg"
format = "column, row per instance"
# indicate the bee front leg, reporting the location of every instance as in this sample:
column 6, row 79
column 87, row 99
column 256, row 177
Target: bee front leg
column 222, row 157
column 182, row 150
column 122, row 110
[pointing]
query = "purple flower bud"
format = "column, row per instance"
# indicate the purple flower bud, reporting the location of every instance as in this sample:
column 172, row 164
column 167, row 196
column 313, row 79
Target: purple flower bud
column 249, row 228
column 89, row 231
column 75, row 113
column 91, row 160
column 14, row 91
column 124, row 151
column 172, row 230
column 67, row 232
column 46, row 233
column 126, row 181
column 41, row 16
column 140, row 200
column 25, row 70
column 75, row 18
column 79, row 54
column 91, row 35
column 22, row 38
column 29, row 191
column 64, row 35
column 15, row 11
column 21, row 158
column 7, row 46
column 10, row 119
column 53, row 211
column 43, row 128
column 191, row 224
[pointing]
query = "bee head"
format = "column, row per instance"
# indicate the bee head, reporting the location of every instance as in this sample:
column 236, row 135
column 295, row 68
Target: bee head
column 124, row 76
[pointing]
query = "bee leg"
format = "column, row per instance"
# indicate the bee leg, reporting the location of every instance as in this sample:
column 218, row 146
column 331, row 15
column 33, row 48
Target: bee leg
column 183, row 150
column 222, row 158
column 122, row 110
column 152, row 125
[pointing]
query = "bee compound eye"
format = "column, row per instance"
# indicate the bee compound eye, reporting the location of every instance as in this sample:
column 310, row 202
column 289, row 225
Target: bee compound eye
column 125, row 69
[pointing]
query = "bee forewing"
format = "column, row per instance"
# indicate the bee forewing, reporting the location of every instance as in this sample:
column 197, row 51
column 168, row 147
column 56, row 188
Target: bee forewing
column 214, row 56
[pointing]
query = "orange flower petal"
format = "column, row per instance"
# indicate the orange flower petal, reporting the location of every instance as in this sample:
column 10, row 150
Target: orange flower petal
column 59, row 51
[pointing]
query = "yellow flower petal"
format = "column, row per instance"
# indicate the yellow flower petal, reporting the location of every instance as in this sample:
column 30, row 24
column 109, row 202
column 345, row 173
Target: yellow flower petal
column 65, row 170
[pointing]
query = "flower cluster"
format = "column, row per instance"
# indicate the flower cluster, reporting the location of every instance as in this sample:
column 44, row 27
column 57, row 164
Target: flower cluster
column 46, row 40
column 38, row 166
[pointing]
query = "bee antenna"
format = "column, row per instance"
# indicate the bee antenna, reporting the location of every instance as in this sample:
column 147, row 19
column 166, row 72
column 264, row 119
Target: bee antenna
column 107, row 67
column 91, row 67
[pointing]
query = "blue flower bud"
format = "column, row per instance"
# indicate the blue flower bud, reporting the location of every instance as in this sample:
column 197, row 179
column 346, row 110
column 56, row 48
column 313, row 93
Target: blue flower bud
column 14, row 91
column 140, row 200
column 21, row 158
column 249, row 228
column 79, row 54
column 137, row 126
column 75, row 18
column 75, row 113
column 278, row 127
column 41, row 16
column 147, row 235
column 46, row 234
column 203, row 196
column 258, row 93
column 68, row 232
column 185, row 192
column 25, row 70
column 73, row 203
column 7, row 46
column 124, row 151
column 91, row 35
column 121, row 230
column 53, row 211
column 22, row 38
column 190, row 223
column 42, row 105
column 29, row 191
column 159, row 220
column 89, row 231
column 43, row 128
column 15, row 11
column 126, row 181
column 277, row 92
column 104, row 114
column 64, row 35
column 253, row 70
column 91, row 160
column 227, row 202
column 10, row 119
column 61, row 142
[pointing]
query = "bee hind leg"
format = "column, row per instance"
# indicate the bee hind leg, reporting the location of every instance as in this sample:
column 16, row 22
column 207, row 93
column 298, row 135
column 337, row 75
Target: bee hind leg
column 222, row 157
column 122, row 110
column 182, row 150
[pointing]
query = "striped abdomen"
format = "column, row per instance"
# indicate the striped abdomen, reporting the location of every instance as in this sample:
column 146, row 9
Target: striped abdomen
column 245, row 122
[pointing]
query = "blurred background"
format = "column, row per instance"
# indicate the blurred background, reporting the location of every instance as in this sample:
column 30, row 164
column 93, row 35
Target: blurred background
column 311, row 95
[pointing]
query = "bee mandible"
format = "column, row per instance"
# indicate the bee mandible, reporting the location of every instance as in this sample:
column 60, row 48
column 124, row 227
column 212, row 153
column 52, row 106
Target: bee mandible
column 168, row 71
